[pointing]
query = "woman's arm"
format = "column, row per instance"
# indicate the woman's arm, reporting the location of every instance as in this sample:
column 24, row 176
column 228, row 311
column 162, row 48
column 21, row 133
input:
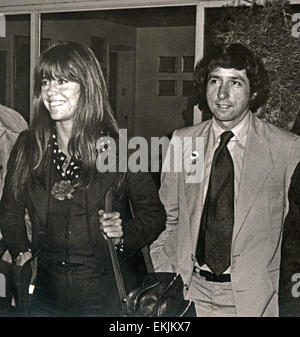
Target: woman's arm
column 149, row 216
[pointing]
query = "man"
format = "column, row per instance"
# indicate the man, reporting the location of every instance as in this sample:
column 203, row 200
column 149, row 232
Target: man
column 289, row 282
column 223, row 233
column 11, row 124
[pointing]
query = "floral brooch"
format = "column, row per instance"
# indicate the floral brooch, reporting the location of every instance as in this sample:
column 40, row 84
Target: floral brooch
column 62, row 190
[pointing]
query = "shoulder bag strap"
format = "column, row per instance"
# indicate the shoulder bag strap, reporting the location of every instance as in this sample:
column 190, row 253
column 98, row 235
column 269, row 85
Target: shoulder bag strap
column 148, row 260
column 114, row 257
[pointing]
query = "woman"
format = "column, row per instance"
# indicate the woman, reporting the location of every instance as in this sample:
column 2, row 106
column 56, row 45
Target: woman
column 52, row 173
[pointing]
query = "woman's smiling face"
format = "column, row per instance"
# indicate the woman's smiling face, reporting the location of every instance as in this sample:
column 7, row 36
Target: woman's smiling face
column 60, row 98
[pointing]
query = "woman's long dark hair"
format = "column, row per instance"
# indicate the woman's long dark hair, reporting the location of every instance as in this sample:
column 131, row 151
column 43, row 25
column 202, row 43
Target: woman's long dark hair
column 75, row 62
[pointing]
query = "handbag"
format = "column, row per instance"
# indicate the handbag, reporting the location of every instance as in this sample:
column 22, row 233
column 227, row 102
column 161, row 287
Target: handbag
column 14, row 284
column 6, row 289
column 12, row 287
column 160, row 295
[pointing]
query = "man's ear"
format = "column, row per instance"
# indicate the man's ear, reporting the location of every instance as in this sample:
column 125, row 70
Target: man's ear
column 253, row 95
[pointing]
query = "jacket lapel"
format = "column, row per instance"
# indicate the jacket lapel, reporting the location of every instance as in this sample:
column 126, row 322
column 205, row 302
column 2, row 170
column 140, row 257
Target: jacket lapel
column 258, row 163
column 194, row 191
column 97, row 189
column 40, row 193
column 99, row 185
column 95, row 195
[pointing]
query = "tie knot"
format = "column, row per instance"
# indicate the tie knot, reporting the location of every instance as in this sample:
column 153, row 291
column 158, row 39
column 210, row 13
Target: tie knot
column 225, row 138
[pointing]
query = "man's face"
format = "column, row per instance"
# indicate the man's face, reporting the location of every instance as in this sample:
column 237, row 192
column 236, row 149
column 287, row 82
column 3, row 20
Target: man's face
column 228, row 95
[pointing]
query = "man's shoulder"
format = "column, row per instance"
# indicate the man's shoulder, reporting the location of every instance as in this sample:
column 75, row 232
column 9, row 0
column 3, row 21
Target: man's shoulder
column 274, row 133
column 11, row 120
column 194, row 130
column 283, row 144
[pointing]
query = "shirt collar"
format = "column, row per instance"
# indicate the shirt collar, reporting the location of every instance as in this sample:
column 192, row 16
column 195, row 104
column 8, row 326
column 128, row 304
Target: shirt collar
column 240, row 131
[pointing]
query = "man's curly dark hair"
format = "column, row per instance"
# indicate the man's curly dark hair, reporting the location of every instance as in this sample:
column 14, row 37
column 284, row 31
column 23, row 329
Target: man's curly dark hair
column 235, row 56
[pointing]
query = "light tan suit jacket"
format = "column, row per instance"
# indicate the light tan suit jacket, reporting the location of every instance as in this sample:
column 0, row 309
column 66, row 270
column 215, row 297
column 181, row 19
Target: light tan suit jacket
column 11, row 124
column 270, row 157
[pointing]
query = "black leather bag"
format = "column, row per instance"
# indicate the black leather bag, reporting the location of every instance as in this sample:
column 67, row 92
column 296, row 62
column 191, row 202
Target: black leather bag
column 13, row 285
column 14, row 281
column 161, row 294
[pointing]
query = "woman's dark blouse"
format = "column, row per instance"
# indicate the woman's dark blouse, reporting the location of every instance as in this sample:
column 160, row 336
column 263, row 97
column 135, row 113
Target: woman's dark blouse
column 67, row 229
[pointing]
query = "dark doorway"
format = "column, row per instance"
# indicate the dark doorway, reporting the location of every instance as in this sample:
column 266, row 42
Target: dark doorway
column 3, row 67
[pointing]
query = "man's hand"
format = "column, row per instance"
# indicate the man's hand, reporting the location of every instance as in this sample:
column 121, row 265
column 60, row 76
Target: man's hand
column 111, row 225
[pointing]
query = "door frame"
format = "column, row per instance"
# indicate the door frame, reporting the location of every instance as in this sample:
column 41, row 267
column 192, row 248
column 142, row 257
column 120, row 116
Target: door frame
column 37, row 7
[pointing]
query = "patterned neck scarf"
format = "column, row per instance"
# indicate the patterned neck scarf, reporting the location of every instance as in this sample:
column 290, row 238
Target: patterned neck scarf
column 68, row 171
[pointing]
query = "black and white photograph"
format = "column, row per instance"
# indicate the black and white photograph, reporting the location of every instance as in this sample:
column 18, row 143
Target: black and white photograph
column 149, row 162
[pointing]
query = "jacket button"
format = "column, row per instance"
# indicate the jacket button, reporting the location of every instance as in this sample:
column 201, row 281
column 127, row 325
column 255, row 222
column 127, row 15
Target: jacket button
column 186, row 287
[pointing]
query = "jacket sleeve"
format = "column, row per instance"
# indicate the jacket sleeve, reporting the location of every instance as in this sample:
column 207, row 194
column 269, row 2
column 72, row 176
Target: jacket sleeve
column 289, row 283
column 149, row 215
column 12, row 211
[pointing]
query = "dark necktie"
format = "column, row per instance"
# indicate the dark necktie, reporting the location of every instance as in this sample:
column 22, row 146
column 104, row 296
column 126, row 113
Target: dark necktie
column 214, row 243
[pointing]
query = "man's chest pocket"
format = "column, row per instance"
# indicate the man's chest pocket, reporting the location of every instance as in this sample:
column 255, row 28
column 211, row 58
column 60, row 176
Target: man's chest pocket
column 273, row 191
column 271, row 197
